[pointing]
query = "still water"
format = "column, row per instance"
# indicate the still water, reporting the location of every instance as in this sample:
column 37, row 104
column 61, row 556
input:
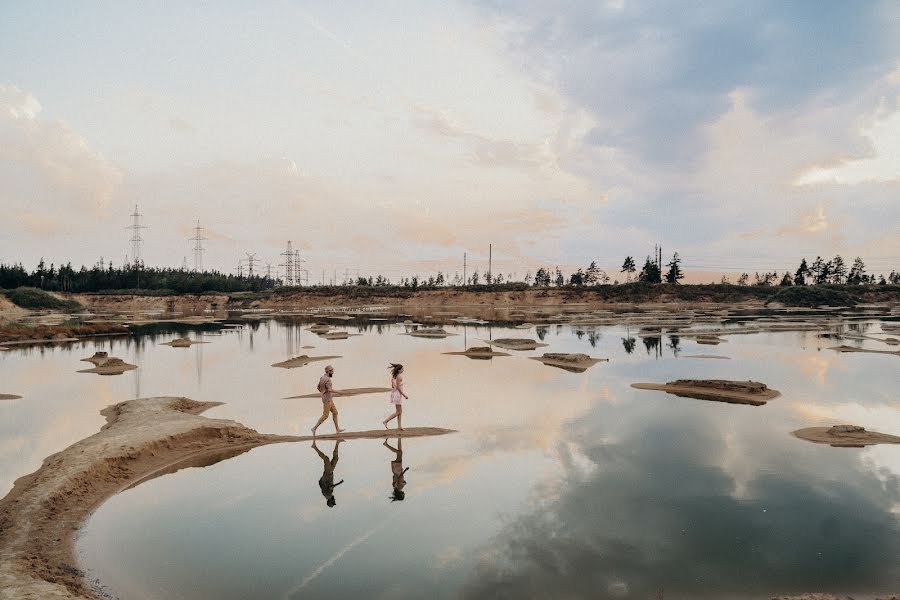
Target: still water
column 557, row 484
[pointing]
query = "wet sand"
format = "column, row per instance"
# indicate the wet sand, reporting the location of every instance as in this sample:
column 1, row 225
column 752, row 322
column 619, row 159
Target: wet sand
column 375, row 434
column 733, row 392
column 575, row 363
column 40, row 516
column 182, row 343
column 109, row 366
column 846, row 436
column 299, row 361
column 9, row 397
column 516, row 343
column 479, row 352
column 864, row 350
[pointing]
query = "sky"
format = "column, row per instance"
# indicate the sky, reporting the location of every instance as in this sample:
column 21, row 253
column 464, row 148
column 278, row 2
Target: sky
column 394, row 137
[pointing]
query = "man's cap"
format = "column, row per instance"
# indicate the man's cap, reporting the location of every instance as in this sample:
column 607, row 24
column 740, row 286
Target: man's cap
column 329, row 368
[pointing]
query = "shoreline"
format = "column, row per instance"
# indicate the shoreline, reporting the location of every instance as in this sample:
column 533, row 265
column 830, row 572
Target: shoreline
column 43, row 512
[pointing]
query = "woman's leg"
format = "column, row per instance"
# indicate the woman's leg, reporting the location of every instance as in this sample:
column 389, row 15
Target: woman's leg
column 399, row 417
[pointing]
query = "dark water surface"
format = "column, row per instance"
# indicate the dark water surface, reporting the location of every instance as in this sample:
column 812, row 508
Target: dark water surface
column 558, row 484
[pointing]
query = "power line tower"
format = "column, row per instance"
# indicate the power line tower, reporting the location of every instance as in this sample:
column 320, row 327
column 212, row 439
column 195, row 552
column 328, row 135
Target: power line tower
column 301, row 275
column 268, row 270
column 239, row 270
column 136, row 239
column 288, row 264
column 184, row 265
column 198, row 247
column 251, row 259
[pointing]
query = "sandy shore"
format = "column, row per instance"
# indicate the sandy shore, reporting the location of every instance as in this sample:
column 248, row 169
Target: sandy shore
column 344, row 392
column 575, row 363
column 376, row 434
column 302, row 360
column 39, row 517
column 9, row 397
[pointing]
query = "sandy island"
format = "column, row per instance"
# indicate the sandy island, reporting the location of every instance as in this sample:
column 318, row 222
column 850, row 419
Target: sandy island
column 9, row 397
column 110, row 366
column 865, row 350
column 845, row 436
column 516, row 343
column 718, row 390
column 299, row 361
column 575, row 363
column 182, row 343
column 479, row 353
column 429, row 333
column 344, row 392
column 142, row 439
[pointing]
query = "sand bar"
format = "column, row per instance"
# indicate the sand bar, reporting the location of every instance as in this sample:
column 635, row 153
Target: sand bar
column 97, row 359
column 182, row 343
column 9, row 397
column 575, row 363
column 717, row 390
column 344, row 392
column 430, row 333
column 41, row 514
column 516, row 343
column 374, row 434
column 299, row 361
column 845, row 436
column 479, row 353
column 111, row 366
column 864, row 350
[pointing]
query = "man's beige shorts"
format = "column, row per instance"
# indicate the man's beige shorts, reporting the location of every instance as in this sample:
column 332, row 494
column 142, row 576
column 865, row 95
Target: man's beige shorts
column 328, row 407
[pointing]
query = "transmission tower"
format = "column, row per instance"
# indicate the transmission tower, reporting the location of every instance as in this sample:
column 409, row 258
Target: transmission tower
column 301, row 276
column 198, row 247
column 251, row 259
column 136, row 239
column 288, row 264
column 239, row 270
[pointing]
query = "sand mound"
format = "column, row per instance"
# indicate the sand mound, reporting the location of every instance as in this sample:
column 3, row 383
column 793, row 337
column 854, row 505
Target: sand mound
column 40, row 516
column 182, row 343
column 344, row 392
column 575, row 363
column 97, row 359
column 299, row 361
column 517, row 344
column 847, row 436
column 336, row 335
column 524, row 326
column 479, row 353
column 709, row 340
column 111, row 366
column 9, row 397
column 718, row 390
column 864, row 350
column 430, row 333
column 319, row 328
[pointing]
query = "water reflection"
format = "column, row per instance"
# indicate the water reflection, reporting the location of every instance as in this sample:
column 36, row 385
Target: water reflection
column 398, row 481
column 326, row 481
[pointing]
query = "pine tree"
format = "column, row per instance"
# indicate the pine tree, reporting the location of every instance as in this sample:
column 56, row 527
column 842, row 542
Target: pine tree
column 560, row 280
column 857, row 272
column 628, row 268
column 592, row 274
column 650, row 273
column 802, row 273
column 786, row 281
column 674, row 274
column 838, row 270
column 743, row 279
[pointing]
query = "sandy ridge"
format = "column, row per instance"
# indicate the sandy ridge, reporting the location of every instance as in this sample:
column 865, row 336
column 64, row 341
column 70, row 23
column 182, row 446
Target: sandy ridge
column 39, row 517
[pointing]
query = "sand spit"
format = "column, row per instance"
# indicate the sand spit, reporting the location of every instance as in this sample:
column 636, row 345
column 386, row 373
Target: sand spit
column 865, row 350
column 344, row 392
column 60, row 340
column 307, row 347
column 97, row 359
column 516, row 343
column 574, row 363
column 479, row 353
column 319, row 328
column 375, row 434
column 182, row 343
column 430, row 333
column 110, row 366
column 707, row 356
column 845, row 436
column 718, row 390
column 9, row 397
column 299, row 361
column 40, row 516
column 337, row 335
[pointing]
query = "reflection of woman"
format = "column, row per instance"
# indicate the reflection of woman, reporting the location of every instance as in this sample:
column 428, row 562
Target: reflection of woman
column 397, row 471
column 397, row 396
column 326, row 481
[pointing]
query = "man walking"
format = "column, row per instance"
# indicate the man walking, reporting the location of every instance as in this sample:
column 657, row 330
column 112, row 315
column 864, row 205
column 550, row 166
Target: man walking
column 327, row 402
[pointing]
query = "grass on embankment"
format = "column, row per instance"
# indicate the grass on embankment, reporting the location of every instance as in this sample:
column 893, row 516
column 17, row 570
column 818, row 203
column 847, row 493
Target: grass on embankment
column 35, row 299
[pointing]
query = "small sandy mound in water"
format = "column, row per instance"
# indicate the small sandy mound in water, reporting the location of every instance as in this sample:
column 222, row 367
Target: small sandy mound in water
column 718, row 390
column 431, row 333
column 319, row 328
column 344, row 392
column 517, row 344
column 111, row 366
column 97, row 359
column 479, row 352
column 182, row 343
column 576, row 363
column 299, row 361
column 846, row 436
column 335, row 335
column 9, row 397
column 865, row 350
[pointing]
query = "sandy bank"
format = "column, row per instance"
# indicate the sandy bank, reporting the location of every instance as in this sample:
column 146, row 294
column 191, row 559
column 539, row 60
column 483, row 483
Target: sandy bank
column 718, row 390
column 479, row 353
column 375, row 434
column 344, row 392
column 110, row 366
column 430, row 333
column 182, row 343
column 575, row 363
column 516, row 343
column 9, row 397
column 864, row 350
column 847, row 436
column 39, row 517
column 299, row 361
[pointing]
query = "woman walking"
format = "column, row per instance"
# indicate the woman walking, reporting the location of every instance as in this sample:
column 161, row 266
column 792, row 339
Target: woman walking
column 397, row 396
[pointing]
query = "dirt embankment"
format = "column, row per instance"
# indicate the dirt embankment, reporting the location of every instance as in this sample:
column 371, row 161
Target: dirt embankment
column 39, row 517
column 183, row 303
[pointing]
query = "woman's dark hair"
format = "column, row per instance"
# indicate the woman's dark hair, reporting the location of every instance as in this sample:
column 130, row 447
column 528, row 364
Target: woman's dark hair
column 395, row 369
column 397, row 495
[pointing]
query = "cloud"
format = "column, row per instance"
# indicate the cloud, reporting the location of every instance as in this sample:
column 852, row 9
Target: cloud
column 881, row 165
column 47, row 168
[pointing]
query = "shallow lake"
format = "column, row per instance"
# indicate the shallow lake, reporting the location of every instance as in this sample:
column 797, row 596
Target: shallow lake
column 556, row 485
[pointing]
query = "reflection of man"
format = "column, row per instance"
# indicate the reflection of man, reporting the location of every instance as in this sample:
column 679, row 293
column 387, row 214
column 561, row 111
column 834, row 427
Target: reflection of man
column 397, row 470
column 325, row 388
column 326, row 481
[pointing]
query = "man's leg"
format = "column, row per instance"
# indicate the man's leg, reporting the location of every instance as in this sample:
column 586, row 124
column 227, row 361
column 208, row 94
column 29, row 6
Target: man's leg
column 325, row 411
column 334, row 416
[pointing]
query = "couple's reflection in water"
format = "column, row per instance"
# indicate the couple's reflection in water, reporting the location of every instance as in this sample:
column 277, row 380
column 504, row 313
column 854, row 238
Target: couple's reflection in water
column 327, row 484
